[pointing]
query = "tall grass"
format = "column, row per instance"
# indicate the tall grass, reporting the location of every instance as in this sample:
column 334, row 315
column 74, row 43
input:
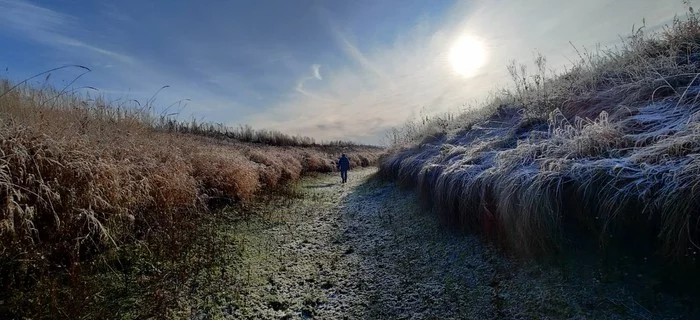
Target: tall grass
column 79, row 176
column 246, row 133
column 609, row 148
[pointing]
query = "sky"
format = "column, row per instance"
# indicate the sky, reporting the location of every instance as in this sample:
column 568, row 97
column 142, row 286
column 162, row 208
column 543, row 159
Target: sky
column 335, row 69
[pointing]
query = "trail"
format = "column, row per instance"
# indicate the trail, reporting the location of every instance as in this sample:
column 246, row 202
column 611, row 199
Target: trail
column 366, row 250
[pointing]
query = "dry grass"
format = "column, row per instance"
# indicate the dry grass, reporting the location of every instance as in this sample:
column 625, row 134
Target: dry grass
column 246, row 134
column 610, row 147
column 79, row 176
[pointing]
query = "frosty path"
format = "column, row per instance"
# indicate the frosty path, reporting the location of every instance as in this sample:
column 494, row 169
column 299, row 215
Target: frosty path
column 366, row 250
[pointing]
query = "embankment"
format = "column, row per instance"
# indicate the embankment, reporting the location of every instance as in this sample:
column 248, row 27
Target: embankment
column 606, row 154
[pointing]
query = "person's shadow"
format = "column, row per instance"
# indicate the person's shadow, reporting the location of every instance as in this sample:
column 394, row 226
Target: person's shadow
column 319, row 186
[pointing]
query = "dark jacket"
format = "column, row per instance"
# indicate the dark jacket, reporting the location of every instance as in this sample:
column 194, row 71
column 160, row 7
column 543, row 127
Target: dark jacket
column 343, row 164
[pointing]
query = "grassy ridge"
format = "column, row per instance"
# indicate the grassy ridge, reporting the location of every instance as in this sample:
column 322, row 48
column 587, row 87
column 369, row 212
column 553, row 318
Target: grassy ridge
column 608, row 150
column 79, row 177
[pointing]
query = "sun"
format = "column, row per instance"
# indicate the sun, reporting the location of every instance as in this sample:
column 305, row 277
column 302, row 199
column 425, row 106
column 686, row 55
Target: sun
column 467, row 55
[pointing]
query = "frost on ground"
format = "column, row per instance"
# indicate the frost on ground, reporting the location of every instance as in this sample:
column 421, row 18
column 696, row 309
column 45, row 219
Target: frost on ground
column 366, row 250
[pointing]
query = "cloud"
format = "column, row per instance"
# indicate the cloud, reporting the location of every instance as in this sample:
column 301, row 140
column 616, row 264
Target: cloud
column 81, row 45
column 25, row 16
column 216, row 91
column 400, row 79
column 340, row 80
column 351, row 50
column 317, row 71
column 49, row 27
column 357, row 55
column 315, row 76
column 374, row 91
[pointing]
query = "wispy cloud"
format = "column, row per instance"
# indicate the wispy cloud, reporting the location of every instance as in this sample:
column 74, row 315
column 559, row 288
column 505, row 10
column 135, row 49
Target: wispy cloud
column 216, row 93
column 399, row 79
column 315, row 76
column 66, row 41
column 331, row 75
column 352, row 51
column 25, row 16
column 48, row 27
column 317, row 71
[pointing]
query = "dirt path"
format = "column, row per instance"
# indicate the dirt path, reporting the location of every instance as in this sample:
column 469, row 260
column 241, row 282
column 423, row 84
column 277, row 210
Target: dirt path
column 365, row 250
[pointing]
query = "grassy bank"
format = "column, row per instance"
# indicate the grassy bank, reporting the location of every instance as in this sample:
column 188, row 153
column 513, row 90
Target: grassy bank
column 604, row 153
column 84, row 182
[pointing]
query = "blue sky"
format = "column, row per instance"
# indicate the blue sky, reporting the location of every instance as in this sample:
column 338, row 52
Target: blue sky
column 327, row 69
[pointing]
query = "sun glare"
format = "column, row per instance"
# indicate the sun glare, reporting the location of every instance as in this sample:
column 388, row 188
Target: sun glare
column 467, row 55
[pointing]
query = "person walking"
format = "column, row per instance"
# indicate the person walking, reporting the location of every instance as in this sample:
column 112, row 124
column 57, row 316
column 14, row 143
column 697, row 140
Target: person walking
column 344, row 166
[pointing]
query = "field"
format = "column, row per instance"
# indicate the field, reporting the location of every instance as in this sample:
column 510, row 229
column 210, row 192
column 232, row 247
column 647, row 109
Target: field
column 605, row 155
column 82, row 179
column 583, row 184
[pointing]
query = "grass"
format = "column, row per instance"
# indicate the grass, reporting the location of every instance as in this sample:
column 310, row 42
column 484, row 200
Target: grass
column 87, row 185
column 606, row 152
